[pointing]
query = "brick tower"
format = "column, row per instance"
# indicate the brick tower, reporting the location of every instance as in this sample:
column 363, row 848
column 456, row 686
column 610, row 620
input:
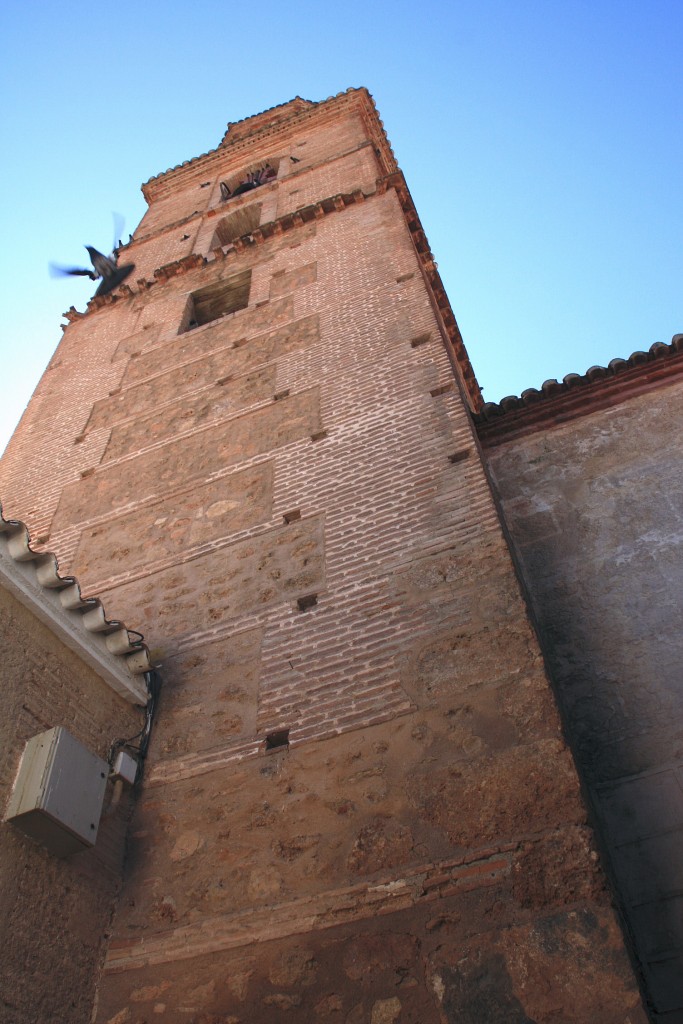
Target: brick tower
column 358, row 805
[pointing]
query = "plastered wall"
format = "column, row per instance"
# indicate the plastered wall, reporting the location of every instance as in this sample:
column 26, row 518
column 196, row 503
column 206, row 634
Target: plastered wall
column 594, row 509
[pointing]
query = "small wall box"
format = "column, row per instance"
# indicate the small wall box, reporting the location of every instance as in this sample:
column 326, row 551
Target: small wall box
column 58, row 792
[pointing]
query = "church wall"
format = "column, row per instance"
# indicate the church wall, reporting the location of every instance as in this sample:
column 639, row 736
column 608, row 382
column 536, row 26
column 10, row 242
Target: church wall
column 594, row 510
column 420, row 722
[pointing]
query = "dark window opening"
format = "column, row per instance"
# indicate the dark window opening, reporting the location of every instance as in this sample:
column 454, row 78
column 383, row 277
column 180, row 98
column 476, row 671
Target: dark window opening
column 459, row 456
column 307, row 602
column 277, row 740
column 241, row 222
column 293, row 516
column 217, row 300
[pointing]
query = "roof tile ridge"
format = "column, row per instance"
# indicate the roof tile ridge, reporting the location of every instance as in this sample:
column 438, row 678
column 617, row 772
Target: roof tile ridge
column 110, row 638
column 551, row 390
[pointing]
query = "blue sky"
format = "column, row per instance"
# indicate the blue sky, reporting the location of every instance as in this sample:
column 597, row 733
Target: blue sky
column 541, row 142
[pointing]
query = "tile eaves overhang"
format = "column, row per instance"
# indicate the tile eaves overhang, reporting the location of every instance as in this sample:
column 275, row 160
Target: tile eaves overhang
column 80, row 623
column 600, row 387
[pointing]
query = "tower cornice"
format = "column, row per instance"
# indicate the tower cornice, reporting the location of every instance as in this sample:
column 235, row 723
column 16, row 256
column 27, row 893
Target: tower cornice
column 276, row 133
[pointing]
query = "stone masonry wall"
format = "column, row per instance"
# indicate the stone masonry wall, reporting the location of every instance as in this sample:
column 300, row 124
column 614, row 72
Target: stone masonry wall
column 359, row 805
column 54, row 914
column 594, row 509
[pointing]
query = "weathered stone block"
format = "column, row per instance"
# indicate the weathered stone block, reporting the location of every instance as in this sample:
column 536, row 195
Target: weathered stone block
column 522, row 974
column 193, row 411
column 491, row 798
column 285, row 281
column 200, row 372
column 230, row 581
column 190, row 458
column 210, row 695
column 176, row 523
column 207, row 339
column 137, row 342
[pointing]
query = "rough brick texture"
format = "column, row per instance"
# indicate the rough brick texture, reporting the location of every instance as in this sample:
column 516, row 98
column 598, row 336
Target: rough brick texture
column 418, row 850
column 54, row 914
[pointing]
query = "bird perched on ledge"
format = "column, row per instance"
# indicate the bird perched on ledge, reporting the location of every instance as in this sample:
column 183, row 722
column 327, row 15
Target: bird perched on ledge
column 253, row 179
column 105, row 267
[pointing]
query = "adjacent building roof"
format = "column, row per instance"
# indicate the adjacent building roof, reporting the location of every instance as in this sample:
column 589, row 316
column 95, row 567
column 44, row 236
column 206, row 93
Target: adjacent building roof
column 580, row 394
column 120, row 658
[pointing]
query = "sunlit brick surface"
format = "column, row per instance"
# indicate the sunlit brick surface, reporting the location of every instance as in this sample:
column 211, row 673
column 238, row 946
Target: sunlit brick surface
column 293, row 501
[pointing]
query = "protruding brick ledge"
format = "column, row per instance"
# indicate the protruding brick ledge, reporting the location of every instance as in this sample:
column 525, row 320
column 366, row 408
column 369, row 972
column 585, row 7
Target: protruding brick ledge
column 275, row 228
column 423, row 884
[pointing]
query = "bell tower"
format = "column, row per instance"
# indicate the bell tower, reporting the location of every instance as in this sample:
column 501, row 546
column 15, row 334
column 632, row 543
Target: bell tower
column 358, row 803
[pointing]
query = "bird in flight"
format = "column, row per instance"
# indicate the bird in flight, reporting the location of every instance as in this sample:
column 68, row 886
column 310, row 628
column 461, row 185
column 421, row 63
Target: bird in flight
column 105, row 267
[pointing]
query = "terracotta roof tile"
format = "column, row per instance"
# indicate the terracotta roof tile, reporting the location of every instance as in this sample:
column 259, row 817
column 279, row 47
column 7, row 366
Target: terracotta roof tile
column 107, row 645
column 550, row 390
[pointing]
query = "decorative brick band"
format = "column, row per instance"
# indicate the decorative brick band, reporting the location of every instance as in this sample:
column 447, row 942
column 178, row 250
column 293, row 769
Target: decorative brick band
column 385, row 705
column 314, row 913
column 200, row 764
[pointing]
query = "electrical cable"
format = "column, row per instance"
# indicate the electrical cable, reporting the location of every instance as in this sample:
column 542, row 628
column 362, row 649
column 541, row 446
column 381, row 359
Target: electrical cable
column 139, row 750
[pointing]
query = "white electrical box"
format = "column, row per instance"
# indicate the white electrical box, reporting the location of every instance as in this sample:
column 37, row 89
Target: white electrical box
column 125, row 768
column 58, row 792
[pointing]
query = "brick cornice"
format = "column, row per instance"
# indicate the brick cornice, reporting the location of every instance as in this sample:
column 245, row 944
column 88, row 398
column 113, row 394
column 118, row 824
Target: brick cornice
column 277, row 134
column 272, row 229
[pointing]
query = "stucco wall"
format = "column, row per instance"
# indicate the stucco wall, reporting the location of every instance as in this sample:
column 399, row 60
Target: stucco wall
column 595, row 512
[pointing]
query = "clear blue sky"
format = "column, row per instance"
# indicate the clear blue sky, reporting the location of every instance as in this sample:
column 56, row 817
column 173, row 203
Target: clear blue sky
column 541, row 142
